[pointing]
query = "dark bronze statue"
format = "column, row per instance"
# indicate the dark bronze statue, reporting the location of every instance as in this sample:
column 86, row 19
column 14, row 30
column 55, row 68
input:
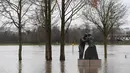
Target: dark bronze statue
column 91, row 52
column 82, row 46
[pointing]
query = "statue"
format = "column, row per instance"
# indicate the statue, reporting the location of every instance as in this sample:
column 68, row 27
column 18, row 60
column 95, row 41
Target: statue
column 91, row 52
column 82, row 46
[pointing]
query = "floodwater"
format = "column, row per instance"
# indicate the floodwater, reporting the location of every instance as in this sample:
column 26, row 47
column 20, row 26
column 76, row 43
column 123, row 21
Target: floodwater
column 34, row 60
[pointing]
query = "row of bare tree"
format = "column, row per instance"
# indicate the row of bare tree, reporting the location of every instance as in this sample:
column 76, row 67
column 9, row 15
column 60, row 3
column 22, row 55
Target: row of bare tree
column 38, row 36
column 105, row 14
column 22, row 13
column 72, row 36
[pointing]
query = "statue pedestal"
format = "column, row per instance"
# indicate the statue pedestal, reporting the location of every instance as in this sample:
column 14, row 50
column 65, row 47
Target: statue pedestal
column 89, row 63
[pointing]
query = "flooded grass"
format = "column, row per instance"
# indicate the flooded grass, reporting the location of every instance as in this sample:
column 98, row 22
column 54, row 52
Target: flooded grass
column 34, row 60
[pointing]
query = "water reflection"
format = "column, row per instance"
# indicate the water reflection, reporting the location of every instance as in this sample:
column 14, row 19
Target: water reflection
column 48, row 66
column 90, row 66
column 105, row 67
column 34, row 61
column 62, row 66
column 20, row 67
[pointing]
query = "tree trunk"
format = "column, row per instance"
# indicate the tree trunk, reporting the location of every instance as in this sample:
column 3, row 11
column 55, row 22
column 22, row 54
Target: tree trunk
column 48, row 29
column 62, row 54
column 48, row 51
column 20, row 31
column 20, row 45
column 105, row 45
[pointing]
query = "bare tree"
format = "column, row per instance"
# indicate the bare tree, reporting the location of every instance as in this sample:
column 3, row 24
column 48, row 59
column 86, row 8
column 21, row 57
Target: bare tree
column 16, row 12
column 43, row 17
column 67, row 9
column 39, row 15
column 106, row 15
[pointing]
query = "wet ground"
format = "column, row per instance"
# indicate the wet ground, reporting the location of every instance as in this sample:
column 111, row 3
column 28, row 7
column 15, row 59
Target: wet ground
column 34, row 60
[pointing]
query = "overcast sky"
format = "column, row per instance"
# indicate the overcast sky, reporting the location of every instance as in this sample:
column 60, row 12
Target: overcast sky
column 127, row 18
column 127, row 3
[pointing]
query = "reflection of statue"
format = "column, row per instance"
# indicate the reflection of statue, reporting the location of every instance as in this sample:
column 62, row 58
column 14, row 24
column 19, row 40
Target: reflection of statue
column 91, row 52
column 83, row 69
column 82, row 46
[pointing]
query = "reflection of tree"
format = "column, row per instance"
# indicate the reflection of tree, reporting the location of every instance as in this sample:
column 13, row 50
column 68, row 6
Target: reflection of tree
column 62, row 66
column 20, row 67
column 105, row 68
column 48, row 66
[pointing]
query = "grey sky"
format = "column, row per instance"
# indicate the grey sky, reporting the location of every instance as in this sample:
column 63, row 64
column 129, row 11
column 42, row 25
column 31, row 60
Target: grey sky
column 126, row 19
column 127, row 3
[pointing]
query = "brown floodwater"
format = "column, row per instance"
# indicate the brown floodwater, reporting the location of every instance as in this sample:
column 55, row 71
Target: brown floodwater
column 118, row 60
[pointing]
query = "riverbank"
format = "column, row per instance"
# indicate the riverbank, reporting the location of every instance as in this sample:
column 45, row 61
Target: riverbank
column 96, row 43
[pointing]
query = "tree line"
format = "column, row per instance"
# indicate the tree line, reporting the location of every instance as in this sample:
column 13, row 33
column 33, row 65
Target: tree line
column 38, row 36
column 73, row 35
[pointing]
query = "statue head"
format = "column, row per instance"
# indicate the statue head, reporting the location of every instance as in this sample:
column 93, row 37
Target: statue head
column 89, row 34
column 85, row 35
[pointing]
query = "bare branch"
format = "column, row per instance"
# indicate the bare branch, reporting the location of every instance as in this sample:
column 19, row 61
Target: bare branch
column 59, row 8
column 53, row 6
column 67, row 4
column 10, row 15
column 74, row 10
column 68, row 25
column 36, row 2
column 77, row 7
column 26, row 10
column 13, row 6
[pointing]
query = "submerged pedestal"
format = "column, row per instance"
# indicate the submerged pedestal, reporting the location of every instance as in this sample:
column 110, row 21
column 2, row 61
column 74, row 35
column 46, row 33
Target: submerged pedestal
column 89, row 66
column 89, row 63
